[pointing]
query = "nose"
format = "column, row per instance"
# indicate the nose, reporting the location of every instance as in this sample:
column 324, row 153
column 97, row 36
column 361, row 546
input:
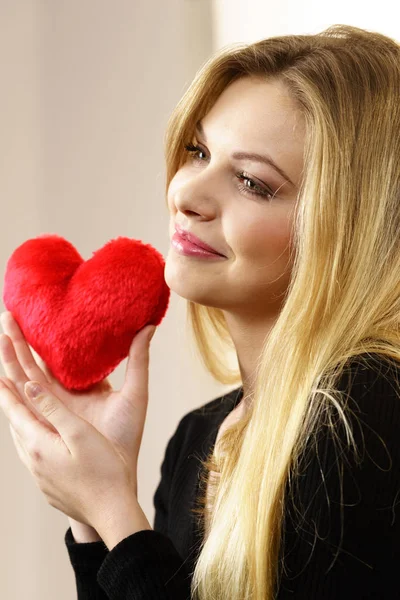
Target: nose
column 199, row 194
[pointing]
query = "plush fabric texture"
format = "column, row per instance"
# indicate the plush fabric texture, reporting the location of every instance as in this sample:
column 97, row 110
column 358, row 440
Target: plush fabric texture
column 81, row 316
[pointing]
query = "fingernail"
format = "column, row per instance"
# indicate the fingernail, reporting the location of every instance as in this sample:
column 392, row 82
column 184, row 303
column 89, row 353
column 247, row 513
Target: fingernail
column 33, row 390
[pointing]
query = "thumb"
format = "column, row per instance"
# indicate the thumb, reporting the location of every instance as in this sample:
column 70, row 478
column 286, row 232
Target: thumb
column 47, row 404
column 136, row 374
column 149, row 332
column 141, row 341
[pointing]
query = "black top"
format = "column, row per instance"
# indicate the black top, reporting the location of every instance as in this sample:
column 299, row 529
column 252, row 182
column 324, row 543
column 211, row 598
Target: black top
column 354, row 532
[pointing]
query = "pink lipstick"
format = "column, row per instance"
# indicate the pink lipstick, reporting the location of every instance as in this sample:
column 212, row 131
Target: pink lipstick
column 187, row 248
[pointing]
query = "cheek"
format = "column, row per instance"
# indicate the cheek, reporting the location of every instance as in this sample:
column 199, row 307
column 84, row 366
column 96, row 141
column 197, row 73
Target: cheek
column 266, row 237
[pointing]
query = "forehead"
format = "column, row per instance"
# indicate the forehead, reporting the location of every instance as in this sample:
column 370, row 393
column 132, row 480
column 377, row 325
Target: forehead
column 253, row 114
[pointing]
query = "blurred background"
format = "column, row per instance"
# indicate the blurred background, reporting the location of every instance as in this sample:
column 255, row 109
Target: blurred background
column 86, row 91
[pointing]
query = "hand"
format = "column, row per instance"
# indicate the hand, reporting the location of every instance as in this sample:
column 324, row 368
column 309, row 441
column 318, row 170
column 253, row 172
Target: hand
column 118, row 416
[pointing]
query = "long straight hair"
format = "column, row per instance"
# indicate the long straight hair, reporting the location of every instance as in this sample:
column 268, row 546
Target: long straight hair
column 343, row 299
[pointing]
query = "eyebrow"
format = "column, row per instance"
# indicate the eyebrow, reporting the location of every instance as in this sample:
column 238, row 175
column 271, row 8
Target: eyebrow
column 250, row 156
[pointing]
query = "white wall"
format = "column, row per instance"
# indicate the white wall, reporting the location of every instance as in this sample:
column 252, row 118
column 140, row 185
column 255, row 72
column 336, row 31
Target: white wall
column 251, row 20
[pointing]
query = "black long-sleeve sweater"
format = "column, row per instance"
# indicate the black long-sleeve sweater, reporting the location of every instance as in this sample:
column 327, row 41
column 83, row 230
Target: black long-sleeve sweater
column 356, row 551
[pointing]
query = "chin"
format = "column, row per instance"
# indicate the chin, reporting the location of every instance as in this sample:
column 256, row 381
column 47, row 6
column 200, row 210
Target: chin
column 187, row 279
column 186, row 290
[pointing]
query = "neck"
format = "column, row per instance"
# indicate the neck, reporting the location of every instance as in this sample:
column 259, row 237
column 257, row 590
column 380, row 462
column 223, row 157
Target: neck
column 248, row 335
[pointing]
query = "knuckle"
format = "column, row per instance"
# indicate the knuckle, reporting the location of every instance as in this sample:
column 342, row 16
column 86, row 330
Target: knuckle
column 35, row 454
column 34, row 450
column 76, row 435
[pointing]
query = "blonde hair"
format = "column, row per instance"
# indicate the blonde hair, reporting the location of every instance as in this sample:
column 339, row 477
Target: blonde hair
column 343, row 299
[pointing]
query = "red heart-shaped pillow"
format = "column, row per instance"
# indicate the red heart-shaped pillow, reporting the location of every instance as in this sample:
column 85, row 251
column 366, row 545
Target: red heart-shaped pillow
column 81, row 316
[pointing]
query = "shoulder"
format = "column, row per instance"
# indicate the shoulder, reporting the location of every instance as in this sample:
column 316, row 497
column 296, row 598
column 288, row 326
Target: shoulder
column 371, row 405
column 343, row 507
column 371, row 372
column 371, row 401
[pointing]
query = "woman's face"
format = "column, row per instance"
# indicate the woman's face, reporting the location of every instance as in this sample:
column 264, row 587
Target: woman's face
column 248, row 219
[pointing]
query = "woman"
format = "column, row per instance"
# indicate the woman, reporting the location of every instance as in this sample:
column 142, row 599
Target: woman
column 298, row 491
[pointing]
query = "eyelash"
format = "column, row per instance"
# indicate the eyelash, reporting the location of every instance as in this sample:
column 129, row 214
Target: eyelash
column 264, row 193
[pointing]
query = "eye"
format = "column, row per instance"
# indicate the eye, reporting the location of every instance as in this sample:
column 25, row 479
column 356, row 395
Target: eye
column 262, row 191
column 257, row 189
column 191, row 149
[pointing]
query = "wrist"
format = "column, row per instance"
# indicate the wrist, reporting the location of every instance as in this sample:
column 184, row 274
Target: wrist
column 83, row 533
column 122, row 520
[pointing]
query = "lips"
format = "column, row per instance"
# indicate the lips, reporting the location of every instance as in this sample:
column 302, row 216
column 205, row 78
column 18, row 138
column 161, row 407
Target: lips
column 193, row 239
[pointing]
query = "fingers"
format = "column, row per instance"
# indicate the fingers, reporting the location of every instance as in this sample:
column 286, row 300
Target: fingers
column 11, row 366
column 16, row 377
column 20, row 364
column 18, row 414
column 10, row 384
